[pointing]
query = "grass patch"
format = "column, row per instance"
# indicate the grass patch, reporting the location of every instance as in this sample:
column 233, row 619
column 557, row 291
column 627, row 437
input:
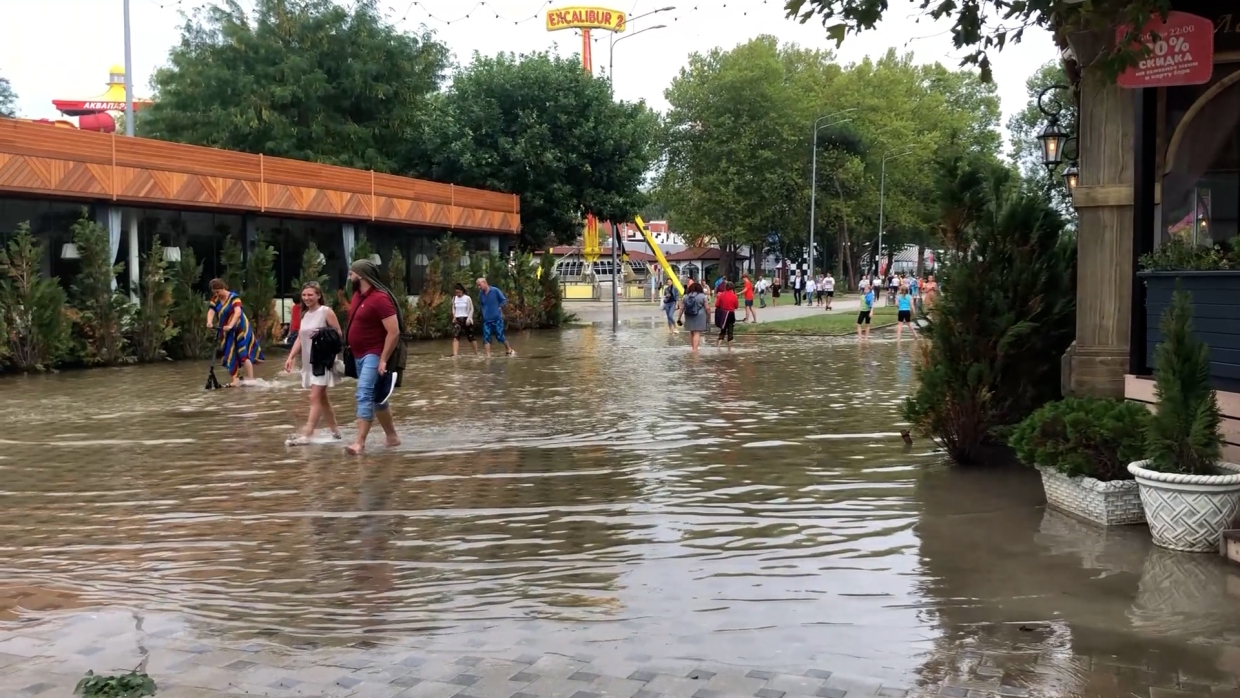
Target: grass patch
column 823, row 323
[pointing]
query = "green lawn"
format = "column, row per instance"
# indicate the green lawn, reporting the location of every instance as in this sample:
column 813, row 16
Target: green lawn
column 823, row 323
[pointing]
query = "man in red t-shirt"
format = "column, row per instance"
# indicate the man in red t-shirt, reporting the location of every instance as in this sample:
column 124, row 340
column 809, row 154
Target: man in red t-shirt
column 726, row 304
column 373, row 337
column 749, row 309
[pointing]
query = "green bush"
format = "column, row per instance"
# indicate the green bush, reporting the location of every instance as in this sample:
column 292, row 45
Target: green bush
column 32, row 307
column 259, row 294
column 232, row 261
column 152, row 328
column 101, row 313
column 1183, row 436
column 1093, row 437
column 189, row 311
column 1003, row 318
column 1178, row 254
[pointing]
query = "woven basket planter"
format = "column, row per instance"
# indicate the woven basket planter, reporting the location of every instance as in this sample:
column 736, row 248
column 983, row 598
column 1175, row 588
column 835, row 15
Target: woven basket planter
column 1189, row 512
column 1114, row 503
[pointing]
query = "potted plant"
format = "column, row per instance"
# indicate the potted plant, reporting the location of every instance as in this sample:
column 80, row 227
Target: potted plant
column 1211, row 273
column 1082, row 447
column 1190, row 496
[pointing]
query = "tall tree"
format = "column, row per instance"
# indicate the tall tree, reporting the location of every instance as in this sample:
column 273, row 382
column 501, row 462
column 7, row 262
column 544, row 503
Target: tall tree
column 305, row 79
column 8, row 98
column 538, row 126
column 735, row 144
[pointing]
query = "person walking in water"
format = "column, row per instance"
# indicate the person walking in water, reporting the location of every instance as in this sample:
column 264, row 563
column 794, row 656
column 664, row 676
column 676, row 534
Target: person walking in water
column 378, row 352
column 751, row 315
column 904, row 313
column 492, row 301
column 725, row 306
column 318, row 342
column 239, row 347
column 867, row 307
column 462, row 319
column 670, row 297
column 693, row 314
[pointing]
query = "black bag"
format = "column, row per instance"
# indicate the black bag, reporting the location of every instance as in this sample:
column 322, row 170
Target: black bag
column 350, row 366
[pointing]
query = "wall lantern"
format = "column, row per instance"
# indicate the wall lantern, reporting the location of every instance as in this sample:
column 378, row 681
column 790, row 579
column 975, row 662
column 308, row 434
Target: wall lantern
column 1071, row 176
column 1052, row 138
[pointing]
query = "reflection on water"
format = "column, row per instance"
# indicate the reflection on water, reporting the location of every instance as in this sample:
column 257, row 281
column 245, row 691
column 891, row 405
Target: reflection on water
column 755, row 506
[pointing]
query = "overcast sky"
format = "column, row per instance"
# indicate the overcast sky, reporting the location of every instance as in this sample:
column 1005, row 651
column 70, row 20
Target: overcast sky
column 61, row 49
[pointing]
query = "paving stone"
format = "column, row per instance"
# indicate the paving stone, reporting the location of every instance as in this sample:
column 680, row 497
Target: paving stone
column 988, row 671
column 643, row 675
column 552, row 687
column 347, row 681
column 890, row 692
column 700, row 674
column 465, row 680
column 1013, row 691
column 639, row 658
column 615, row 687
column 585, row 676
column 556, row 666
column 585, row 694
column 647, row 694
column 768, row 693
column 707, row 693
column 828, row 692
column 240, row 665
column 413, row 661
column 676, row 686
column 818, row 674
column 406, row 681
column 797, row 685
column 36, row 689
column 524, row 676
column 467, row 661
column 528, row 658
column 954, row 691
column 764, row 675
column 855, row 687
column 430, row 689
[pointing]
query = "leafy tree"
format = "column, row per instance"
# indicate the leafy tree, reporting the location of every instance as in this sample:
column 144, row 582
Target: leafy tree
column 259, row 294
column 152, row 328
column 232, row 261
column 189, row 311
column 974, row 31
column 8, row 98
column 1005, row 315
column 397, row 271
column 311, row 270
column 31, row 305
column 100, row 311
column 306, row 79
column 538, row 126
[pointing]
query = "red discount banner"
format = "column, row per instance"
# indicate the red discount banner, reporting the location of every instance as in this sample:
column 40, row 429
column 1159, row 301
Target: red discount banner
column 1182, row 53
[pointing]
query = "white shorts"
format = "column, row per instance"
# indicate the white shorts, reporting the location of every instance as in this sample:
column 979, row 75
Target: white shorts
column 308, row 379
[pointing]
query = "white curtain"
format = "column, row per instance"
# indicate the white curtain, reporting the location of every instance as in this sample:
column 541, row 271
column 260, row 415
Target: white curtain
column 114, row 236
column 350, row 238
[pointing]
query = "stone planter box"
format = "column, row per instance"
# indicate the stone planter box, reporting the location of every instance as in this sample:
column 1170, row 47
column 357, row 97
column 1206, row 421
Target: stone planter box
column 1216, row 317
column 1114, row 503
column 1189, row 512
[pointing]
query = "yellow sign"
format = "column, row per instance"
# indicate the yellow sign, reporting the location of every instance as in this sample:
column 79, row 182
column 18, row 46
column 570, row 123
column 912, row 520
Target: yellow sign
column 585, row 18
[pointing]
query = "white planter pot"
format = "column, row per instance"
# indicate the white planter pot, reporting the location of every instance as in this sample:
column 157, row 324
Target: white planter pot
column 1114, row 503
column 1189, row 512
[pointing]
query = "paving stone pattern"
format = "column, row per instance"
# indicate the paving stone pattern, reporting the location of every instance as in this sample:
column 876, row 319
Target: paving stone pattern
column 185, row 669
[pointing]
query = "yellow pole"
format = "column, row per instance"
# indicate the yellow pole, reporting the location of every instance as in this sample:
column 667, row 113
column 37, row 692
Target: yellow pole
column 658, row 254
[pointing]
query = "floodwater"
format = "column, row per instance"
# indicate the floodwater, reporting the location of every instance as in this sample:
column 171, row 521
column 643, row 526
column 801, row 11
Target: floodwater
column 756, row 506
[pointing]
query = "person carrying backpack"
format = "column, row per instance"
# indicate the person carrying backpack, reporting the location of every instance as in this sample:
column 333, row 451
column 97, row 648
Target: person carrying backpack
column 693, row 314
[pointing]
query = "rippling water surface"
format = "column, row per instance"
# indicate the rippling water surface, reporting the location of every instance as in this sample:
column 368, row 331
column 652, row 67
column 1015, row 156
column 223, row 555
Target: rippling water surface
column 755, row 506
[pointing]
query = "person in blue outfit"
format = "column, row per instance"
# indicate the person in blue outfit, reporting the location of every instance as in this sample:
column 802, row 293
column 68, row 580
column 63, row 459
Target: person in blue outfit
column 492, row 300
column 904, row 313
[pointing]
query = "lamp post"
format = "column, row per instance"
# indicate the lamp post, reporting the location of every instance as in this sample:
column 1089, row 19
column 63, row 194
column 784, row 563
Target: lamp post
column 813, row 176
column 129, row 131
column 612, row 42
column 611, row 51
column 882, row 191
column 1055, row 139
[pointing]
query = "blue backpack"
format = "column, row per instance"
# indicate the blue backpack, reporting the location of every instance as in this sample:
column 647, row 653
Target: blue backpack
column 693, row 306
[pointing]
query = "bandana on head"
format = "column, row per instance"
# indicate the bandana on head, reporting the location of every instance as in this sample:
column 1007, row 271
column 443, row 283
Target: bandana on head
column 368, row 271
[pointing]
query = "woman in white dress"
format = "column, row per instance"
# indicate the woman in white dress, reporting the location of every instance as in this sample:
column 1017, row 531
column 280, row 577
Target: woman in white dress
column 314, row 317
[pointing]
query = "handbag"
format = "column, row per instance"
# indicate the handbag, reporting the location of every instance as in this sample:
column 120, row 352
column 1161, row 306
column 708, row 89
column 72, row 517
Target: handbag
column 350, row 366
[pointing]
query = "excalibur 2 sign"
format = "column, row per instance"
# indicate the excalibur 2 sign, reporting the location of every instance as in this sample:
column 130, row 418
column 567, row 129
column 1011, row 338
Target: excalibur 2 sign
column 1182, row 53
column 585, row 18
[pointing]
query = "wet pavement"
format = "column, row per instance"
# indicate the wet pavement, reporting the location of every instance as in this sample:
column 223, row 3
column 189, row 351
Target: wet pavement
column 600, row 516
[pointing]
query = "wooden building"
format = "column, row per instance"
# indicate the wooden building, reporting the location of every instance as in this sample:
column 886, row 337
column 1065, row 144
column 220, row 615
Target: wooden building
column 194, row 197
column 1155, row 162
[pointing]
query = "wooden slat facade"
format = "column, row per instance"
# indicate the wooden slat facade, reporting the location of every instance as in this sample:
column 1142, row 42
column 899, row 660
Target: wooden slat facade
column 42, row 160
column 1141, row 389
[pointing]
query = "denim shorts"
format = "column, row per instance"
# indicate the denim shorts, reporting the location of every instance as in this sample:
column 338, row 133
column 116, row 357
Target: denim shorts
column 367, row 376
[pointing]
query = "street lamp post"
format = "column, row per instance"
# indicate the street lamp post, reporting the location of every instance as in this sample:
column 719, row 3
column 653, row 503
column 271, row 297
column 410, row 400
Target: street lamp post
column 813, row 177
column 882, row 191
column 612, row 42
column 611, row 51
column 129, row 131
